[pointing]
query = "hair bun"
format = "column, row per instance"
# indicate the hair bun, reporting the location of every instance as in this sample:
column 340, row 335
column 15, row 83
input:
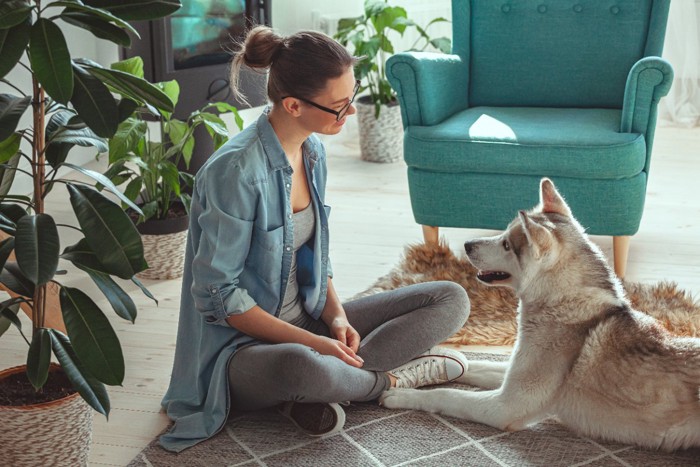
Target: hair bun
column 261, row 46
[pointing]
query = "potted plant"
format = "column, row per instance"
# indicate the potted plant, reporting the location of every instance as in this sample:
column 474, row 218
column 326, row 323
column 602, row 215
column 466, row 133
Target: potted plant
column 151, row 168
column 378, row 113
column 46, row 408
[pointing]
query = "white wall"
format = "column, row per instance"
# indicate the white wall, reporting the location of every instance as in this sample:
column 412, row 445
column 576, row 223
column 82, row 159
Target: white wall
column 290, row 16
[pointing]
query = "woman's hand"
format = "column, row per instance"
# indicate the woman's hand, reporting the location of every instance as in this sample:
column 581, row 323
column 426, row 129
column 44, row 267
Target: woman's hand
column 329, row 346
column 341, row 330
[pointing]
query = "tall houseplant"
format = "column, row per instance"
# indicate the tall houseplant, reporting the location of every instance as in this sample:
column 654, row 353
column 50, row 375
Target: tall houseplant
column 72, row 102
column 150, row 164
column 371, row 38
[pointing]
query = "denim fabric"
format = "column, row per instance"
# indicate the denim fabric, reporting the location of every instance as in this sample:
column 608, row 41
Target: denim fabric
column 239, row 252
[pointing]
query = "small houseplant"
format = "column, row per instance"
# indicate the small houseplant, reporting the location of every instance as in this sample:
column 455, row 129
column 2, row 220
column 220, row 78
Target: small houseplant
column 72, row 103
column 379, row 116
column 152, row 167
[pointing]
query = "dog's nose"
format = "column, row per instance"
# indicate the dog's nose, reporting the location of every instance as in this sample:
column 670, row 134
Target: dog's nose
column 468, row 246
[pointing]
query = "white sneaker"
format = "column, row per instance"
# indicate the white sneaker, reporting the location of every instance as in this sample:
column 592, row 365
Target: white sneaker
column 436, row 366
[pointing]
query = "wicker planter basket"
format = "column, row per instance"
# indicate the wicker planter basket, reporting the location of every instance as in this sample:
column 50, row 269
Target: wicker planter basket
column 381, row 140
column 164, row 244
column 52, row 433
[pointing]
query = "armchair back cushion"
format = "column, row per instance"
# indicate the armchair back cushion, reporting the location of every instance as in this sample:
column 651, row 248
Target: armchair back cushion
column 564, row 53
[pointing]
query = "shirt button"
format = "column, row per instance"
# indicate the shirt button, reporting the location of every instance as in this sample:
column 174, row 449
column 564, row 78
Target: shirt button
column 214, row 290
column 287, row 248
column 289, row 215
column 288, row 185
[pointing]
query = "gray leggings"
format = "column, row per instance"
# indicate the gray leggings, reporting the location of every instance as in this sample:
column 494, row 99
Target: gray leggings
column 394, row 326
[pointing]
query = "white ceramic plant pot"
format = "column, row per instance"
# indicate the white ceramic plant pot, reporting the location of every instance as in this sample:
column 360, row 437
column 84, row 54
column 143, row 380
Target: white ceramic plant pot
column 381, row 139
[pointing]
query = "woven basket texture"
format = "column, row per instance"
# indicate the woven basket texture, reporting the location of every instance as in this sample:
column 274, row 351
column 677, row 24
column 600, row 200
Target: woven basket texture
column 165, row 255
column 53, row 433
column 381, row 139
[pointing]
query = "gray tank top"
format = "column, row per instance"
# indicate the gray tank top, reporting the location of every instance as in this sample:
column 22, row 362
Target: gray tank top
column 304, row 222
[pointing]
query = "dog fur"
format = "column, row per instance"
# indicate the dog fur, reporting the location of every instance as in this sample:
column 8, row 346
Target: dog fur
column 582, row 354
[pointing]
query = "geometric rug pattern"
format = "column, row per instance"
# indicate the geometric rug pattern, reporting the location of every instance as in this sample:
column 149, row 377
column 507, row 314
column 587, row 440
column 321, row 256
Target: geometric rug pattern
column 376, row 436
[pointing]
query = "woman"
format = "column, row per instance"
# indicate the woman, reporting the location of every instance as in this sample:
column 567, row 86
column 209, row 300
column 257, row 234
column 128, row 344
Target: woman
column 260, row 322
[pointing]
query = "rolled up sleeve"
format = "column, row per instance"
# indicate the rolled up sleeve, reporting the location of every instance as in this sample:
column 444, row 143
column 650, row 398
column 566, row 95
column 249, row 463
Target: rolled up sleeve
column 221, row 249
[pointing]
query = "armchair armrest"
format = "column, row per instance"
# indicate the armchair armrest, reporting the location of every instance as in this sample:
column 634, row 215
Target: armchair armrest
column 648, row 81
column 430, row 86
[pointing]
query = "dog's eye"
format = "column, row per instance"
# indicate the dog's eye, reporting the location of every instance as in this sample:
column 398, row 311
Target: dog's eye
column 506, row 245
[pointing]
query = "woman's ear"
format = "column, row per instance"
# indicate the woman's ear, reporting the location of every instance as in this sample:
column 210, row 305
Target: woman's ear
column 292, row 106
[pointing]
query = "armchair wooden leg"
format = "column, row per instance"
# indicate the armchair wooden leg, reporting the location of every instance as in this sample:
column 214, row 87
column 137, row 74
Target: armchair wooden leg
column 621, row 247
column 430, row 234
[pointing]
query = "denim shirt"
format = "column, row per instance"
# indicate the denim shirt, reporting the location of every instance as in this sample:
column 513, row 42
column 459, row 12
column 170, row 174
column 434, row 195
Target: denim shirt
column 239, row 252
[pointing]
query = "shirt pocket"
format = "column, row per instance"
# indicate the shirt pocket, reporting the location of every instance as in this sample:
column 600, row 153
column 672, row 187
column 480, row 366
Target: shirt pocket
column 265, row 256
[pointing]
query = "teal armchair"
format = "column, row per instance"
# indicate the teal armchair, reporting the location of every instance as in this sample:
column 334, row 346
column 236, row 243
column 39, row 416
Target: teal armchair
column 534, row 88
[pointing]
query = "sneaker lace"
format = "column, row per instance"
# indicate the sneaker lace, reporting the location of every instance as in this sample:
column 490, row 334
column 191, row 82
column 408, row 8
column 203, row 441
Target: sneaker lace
column 423, row 373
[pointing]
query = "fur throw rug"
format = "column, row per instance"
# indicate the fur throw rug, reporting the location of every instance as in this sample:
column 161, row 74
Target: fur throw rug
column 492, row 317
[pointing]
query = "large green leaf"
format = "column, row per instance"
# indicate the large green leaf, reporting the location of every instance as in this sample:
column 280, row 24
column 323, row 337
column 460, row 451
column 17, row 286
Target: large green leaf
column 13, row 12
column 130, row 86
column 64, row 130
column 172, row 90
column 87, row 386
column 37, row 247
column 13, row 41
column 6, row 247
column 94, row 341
column 56, row 153
column 225, row 107
column 133, row 66
column 94, row 103
column 126, row 108
column 82, row 256
column 9, row 215
column 39, row 358
column 97, row 12
column 128, row 134
column 50, row 58
column 98, row 26
column 137, row 9
column 7, row 174
column 13, row 212
column 109, row 232
column 106, row 182
column 143, row 289
column 11, row 110
column 9, row 148
column 8, row 317
column 12, row 277
column 122, row 304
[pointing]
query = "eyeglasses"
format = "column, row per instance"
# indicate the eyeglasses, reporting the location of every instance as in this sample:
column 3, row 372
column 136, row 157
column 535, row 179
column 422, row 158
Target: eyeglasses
column 339, row 114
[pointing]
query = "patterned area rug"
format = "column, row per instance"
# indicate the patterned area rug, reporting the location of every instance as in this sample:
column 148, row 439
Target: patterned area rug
column 492, row 317
column 375, row 436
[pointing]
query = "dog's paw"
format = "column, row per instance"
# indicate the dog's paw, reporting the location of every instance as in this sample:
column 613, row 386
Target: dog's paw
column 400, row 399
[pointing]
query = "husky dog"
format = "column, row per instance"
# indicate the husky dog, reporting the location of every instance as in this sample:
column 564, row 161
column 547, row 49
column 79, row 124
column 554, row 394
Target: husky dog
column 582, row 353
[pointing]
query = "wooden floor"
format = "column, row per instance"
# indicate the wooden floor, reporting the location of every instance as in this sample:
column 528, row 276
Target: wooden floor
column 370, row 224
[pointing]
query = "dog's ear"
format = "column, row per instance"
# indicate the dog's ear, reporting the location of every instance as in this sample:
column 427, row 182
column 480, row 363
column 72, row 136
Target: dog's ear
column 538, row 236
column 551, row 200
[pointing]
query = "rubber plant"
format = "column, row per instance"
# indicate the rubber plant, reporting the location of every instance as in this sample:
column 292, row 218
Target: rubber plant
column 72, row 102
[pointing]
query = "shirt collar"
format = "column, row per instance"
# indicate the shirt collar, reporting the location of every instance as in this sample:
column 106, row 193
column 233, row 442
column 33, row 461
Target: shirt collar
column 271, row 144
column 273, row 149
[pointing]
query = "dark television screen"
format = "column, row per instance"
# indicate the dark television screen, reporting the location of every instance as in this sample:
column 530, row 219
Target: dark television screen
column 201, row 27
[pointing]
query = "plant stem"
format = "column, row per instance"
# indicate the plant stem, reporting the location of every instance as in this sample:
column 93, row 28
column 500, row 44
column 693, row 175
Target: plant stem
column 38, row 166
